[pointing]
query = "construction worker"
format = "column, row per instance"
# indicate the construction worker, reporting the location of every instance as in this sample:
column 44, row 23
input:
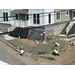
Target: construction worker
column 22, row 52
column 56, row 45
column 55, row 52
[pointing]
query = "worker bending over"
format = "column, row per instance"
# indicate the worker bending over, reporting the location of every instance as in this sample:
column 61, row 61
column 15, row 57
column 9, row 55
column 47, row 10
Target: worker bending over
column 56, row 45
column 55, row 52
column 22, row 52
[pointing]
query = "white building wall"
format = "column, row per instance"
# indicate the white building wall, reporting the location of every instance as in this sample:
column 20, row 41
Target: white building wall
column 36, row 11
column 0, row 15
column 52, row 16
column 5, row 10
column 44, row 20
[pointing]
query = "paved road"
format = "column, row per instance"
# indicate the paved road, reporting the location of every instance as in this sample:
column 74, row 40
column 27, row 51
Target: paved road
column 6, row 57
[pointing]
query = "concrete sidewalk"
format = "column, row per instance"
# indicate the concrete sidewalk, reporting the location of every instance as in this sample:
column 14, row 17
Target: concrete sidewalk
column 45, row 47
column 7, row 37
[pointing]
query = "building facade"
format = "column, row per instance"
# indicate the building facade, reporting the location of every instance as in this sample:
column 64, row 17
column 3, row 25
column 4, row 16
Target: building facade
column 49, row 16
column 13, row 14
column 38, row 17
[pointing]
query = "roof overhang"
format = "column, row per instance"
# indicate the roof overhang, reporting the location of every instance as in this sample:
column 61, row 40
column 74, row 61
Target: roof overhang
column 72, row 9
column 20, row 11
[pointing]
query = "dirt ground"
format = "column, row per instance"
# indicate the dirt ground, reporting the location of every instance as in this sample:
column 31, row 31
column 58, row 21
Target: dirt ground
column 66, row 58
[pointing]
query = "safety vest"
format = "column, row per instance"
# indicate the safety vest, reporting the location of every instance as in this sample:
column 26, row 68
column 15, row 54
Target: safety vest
column 22, row 51
column 55, row 51
column 57, row 44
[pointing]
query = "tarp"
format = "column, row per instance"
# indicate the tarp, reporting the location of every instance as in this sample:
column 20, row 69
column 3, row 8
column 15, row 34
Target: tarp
column 22, row 32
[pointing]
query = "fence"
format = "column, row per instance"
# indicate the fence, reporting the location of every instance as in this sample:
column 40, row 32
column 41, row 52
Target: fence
column 36, row 35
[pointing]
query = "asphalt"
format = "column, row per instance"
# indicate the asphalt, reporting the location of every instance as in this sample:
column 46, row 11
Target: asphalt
column 6, row 57
column 41, row 48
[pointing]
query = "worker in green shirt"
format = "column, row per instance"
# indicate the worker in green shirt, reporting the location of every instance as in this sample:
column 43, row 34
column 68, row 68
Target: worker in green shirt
column 56, row 45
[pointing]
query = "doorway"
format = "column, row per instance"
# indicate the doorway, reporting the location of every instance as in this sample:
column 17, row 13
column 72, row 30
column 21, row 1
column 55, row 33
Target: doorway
column 22, row 17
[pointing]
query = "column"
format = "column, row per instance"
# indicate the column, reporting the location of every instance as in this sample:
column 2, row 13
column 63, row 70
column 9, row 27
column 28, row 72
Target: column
column 46, row 19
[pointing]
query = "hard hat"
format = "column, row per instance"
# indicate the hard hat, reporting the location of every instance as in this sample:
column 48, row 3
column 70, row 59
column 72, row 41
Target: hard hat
column 53, row 42
column 52, row 48
column 22, row 48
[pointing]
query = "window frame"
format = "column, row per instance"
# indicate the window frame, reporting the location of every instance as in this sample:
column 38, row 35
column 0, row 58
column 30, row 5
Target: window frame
column 49, row 18
column 6, row 16
column 36, row 19
column 58, row 16
column 68, row 13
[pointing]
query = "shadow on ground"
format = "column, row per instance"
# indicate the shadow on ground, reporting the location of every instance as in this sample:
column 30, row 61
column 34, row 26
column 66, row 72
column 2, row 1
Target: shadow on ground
column 49, row 58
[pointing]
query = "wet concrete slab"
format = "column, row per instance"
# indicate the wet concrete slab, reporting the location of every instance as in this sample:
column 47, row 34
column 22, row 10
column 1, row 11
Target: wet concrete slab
column 41, row 48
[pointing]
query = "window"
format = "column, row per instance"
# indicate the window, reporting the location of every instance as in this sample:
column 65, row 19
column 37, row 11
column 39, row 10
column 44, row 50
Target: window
column 27, row 17
column 58, row 16
column 49, row 18
column 74, row 14
column 5, row 16
column 36, row 19
column 67, row 13
column 16, row 16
